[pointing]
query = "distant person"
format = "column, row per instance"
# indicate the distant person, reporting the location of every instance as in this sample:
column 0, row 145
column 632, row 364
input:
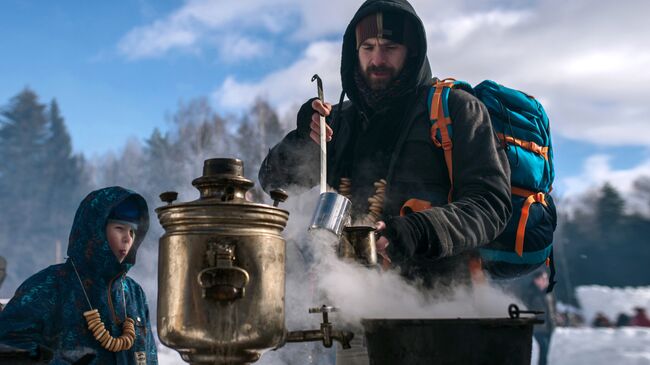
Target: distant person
column 640, row 318
column 622, row 320
column 601, row 320
column 576, row 320
column 536, row 298
column 50, row 314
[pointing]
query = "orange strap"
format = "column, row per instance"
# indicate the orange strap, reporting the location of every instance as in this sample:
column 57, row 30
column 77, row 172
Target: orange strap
column 414, row 205
column 437, row 96
column 527, row 145
column 522, row 192
column 475, row 263
column 475, row 266
column 521, row 227
column 442, row 121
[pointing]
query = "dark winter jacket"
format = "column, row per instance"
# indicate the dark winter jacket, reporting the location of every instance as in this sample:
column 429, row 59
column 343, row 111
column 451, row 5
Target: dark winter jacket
column 539, row 300
column 47, row 310
column 428, row 243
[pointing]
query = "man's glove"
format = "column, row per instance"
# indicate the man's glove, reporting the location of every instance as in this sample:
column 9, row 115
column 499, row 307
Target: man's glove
column 409, row 236
column 304, row 118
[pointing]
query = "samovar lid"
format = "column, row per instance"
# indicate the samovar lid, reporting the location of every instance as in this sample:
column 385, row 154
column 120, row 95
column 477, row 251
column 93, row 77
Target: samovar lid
column 222, row 189
column 223, row 179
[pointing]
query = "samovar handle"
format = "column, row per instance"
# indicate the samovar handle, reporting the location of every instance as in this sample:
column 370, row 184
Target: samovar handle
column 222, row 280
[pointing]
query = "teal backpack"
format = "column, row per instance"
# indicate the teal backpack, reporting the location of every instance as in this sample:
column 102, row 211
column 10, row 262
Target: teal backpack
column 522, row 126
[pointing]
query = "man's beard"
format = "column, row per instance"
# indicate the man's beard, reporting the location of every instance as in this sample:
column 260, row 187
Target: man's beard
column 382, row 83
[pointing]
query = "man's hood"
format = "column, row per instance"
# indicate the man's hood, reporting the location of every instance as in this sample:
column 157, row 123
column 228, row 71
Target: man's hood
column 349, row 57
column 88, row 246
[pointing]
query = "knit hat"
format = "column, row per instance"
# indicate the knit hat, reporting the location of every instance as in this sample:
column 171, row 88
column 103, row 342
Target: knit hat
column 127, row 212
column 388, row 25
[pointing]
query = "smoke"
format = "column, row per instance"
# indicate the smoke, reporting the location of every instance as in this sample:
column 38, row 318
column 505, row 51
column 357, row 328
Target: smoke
column 316, row 276
column 361, row 292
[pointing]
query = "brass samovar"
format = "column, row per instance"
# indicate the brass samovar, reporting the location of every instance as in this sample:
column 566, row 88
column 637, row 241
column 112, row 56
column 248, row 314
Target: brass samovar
column 221, row 273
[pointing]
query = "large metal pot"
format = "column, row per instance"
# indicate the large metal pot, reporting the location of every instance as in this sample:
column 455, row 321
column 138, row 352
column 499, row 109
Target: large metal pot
column 221, row 276
column 481, row 341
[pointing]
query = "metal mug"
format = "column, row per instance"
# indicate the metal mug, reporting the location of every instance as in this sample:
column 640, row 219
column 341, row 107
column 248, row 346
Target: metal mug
column 332, row 213
column 359, row 243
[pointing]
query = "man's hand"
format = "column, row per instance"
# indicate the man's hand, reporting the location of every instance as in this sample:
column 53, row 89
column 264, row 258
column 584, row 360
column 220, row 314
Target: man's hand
column 382, row 243
column 323, row 109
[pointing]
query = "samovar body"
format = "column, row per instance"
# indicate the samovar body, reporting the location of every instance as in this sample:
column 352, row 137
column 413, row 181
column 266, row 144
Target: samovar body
column 221, row 276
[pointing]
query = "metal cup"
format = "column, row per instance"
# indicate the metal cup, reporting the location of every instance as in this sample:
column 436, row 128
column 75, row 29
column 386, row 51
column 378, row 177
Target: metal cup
column 362, row 241
column 332, row 213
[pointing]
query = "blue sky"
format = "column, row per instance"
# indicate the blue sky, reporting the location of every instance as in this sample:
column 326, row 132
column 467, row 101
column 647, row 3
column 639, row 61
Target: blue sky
column 118, row 68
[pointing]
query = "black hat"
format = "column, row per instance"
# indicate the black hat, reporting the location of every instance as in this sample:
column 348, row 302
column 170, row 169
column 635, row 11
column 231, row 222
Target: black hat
column 126, row 212
column 394, row 26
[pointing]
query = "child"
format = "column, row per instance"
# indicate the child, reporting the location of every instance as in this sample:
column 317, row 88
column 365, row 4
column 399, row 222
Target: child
column 54, row 310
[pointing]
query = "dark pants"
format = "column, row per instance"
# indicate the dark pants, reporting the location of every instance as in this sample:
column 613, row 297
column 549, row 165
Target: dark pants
column 543, row 340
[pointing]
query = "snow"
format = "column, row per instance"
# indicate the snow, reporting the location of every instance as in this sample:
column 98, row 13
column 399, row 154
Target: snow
column 611, row 301
column 571, row 346
column 167, row 356
column 577, row 346
column 600, row 346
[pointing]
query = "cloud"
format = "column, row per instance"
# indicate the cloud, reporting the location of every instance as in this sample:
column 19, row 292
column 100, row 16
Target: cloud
column 236, row 48
column 192, row 25
column 197, row 21
column 596, row 171
column 587, row 61
column 461, row 27
column 156, row 39
column 289, row 86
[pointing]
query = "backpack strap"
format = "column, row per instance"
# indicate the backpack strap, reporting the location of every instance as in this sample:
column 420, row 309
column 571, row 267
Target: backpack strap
column 527, row 145
column 414, row 205
column 441, row 123
column 531, row 197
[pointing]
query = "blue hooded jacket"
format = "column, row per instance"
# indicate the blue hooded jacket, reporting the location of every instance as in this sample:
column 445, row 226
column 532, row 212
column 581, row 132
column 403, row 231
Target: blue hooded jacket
column 46, row 313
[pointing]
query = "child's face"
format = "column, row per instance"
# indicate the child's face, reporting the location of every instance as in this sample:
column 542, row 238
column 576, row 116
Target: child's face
column 120, row 237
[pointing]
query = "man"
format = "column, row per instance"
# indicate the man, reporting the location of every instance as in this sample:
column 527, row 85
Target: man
column 640, row 318
column 47, row 314
column 381, row 153
column 536, row 298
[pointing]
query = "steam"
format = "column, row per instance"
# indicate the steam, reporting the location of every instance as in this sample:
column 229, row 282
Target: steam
column 316, row 276
column 360, row 292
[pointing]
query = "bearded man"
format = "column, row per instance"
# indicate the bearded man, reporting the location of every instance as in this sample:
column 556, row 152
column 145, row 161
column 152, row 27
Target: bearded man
column 380, row 152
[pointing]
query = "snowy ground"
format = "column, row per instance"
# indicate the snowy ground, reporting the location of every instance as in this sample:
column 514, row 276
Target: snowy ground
column 569, row 346
column 167, row 356
column 578, row 346
column 611, row 301
column 600, row 346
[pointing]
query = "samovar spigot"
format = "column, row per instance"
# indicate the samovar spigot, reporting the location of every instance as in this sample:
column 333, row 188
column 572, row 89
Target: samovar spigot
column 327, row 333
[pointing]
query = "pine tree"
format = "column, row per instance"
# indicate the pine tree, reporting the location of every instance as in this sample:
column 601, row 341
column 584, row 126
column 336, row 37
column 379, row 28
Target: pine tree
column 64, row 175
column 258, row 131
column 163, row 162
column 609, row 210
column 41, row 182
column 23, row 133
column 24, row 186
